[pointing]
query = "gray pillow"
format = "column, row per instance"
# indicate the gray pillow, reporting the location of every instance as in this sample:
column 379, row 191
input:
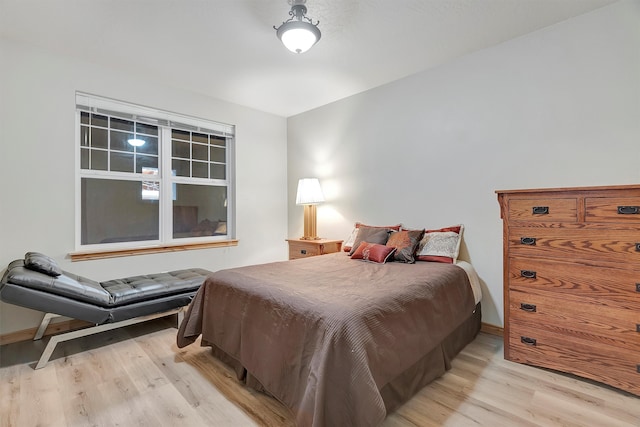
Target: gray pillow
column 42, row 263
column 370, row 235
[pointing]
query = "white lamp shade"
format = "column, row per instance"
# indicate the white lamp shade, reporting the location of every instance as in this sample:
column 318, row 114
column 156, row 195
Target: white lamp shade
column 309, row 192
column 298, row 36
column 298, row 40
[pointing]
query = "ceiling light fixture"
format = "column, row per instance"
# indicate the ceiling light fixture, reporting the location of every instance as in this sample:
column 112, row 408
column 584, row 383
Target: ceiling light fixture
column 298, row 33
column 136, row 142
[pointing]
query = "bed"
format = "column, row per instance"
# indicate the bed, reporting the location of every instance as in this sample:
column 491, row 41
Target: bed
column 340, row 342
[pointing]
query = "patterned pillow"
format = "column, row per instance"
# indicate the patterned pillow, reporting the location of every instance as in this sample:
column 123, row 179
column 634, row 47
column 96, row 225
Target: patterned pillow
column 373, row 252
column 442, row 245
column 348, row 243
column 372, row 235
column 406, row 242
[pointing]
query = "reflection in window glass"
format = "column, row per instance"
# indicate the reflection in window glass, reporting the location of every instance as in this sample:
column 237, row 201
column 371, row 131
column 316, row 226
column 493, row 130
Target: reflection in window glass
column 218, row 171
column 120, row 141
column 147, row 129
column 181, row 134
column 99, row 138
column 181, row 149
column 99, row 160
column 201, row 138
column 200, row 152
column 199, row 210
column 146, row 162
column 181, row 167
column 114, row 211
column 84, row 158
column 200, row 169
column 150, row 145
column 99, row 120
column 121, row 162
column 218, row 154
column 121, row 124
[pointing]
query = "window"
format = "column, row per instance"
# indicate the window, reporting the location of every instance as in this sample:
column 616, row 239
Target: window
column 149, row 177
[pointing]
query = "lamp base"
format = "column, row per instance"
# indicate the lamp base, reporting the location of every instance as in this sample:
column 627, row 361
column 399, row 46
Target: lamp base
column 310, row 223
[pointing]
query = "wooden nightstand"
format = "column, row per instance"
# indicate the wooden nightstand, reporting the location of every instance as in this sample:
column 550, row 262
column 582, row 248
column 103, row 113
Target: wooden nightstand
column 299, row 248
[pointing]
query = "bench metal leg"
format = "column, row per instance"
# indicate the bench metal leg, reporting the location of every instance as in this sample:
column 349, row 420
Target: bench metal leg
column 181, row 316
column 43, row 325
column 55, row 339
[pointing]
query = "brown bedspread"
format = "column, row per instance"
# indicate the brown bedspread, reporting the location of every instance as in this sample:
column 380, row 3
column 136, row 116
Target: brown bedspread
column 324, row 334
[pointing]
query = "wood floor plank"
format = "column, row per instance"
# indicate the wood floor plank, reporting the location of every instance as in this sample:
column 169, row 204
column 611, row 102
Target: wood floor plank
column 137, row 376
column 213, row 407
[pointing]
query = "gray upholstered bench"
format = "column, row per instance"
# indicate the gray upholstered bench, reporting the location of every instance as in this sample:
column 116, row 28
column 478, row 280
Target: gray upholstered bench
column 37, row 282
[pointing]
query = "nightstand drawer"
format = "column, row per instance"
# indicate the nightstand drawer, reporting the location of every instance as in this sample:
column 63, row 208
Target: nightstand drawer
column 302, row 250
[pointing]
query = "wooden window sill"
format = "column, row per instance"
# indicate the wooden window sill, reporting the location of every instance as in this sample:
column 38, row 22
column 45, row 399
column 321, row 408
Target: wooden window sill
column 113, row 253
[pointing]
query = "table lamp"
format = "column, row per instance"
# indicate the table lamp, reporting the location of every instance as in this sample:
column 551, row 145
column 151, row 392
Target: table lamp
column 309, row 195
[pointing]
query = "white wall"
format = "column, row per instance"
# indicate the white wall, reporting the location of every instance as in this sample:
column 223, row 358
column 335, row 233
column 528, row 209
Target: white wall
column 37, row 176
column 558, row 107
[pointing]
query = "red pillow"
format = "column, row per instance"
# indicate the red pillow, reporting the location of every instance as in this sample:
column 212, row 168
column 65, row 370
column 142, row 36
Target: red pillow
column 373, row 252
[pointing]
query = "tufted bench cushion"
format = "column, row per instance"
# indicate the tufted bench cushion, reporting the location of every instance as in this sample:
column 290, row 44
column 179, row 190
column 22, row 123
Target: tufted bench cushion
column 139, row 288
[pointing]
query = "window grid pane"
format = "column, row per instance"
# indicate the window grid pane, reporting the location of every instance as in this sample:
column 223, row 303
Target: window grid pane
column 192, row 158
column 111, row 144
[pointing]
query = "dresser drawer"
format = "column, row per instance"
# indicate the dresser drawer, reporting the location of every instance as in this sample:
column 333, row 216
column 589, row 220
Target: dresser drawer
column 617, row 367
column 621, row 245
column 543, row 209
column 590, row 321
column 609, row 209
column 594, row 285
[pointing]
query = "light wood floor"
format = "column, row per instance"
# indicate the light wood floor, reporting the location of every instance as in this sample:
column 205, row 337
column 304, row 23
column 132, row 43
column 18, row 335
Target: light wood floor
column 138, row 377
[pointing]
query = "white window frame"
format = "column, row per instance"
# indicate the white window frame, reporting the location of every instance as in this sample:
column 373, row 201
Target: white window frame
column 166, row 121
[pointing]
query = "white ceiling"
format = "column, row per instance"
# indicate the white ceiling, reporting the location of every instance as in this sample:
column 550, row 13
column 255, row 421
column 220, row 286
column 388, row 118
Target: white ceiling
column 228, row 49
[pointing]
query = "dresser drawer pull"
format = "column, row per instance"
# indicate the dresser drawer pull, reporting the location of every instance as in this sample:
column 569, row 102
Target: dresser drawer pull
column 637, row 287
column 637, row 247
column 528, row 274
column 531, row 308
column 528, row 341
column 303, row 251
column 637, row 327
column 541, row 210
column 531, row 241
column 638, row 368
column 628, row 210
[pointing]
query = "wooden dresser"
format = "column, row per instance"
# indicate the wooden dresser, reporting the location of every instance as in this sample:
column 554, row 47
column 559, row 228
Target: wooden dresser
column 572, row 281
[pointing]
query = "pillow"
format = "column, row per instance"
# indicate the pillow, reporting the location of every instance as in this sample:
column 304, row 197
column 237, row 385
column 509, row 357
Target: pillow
column 221, row 228
column 373, row 252
column 204, row 228
column 348, row 243
column 371, row 235
column 42, row 263
column 442, row 245
column 406, row 242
